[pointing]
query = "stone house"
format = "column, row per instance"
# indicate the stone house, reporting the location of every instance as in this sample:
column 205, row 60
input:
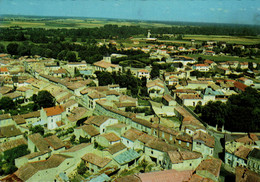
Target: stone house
column 208, row 169
column 118, row 128
column 10, row 132
column 143, row 73
column 52, row 117
column 156, row 150
column 86, row 131
column 155, row 88
column 101, row 122
column 37, row 171
column 203, row 143
column 6, row 119
column 182, row 160
column 254, row 160
column 115, row 150
column 96, row 163
column 107, row 139
column 130, row 136
column 237, row 157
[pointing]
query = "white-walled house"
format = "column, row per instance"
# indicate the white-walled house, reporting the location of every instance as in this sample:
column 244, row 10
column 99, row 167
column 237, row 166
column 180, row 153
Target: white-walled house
column 52, row 116
column 101, row 122
column 155, row 88
column 203, row 143
column 201, row 67
column 183, row 160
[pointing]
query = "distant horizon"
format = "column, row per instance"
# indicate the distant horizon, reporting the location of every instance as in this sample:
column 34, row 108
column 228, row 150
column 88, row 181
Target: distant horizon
column 203, row 11
column 118, row 19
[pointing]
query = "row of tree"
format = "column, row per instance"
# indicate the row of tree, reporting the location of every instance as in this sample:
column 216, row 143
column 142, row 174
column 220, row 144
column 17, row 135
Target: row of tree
column 241, row 113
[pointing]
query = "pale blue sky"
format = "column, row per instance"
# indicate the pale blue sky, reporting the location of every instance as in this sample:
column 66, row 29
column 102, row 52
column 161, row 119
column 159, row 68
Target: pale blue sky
column 216, row 11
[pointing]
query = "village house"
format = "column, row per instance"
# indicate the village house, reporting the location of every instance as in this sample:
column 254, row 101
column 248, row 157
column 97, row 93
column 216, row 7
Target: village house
column 115, row 150
column 4, row 71
column 208, row 170
column 38, row 171
column 155, row 88
column 107, row 139
column 239, row 87
column 52, row 117
column 237, row 157
column 246, row 81
column 101, row 122
column 86, row 131
column 203, row 143
column 37, row 143
column 118, row 128
column 127, row 159
column 96, row 163
column 244, row 175
column 156, row 150
column 254, row 160
column 106, row 65
column 143, row 73
column 201, row 67
column 130, row 136
column 183, row 160
column 10, row 132
column 6, row 119
column 12, row 144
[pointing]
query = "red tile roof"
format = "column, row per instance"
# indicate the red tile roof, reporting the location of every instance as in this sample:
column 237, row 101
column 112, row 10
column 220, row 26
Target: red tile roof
column 164, row 176
column 240, row 86
column 3, row 69
column 53, row 111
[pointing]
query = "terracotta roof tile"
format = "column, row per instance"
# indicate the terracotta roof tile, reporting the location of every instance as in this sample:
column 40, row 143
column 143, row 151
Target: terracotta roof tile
column 208, row 140
column 52, row 111
column 96, row 160
column 211, row 165
column 54, row 142
column 111, row 137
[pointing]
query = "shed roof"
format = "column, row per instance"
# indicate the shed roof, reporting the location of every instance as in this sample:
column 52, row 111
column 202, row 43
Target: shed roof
column 126, row 157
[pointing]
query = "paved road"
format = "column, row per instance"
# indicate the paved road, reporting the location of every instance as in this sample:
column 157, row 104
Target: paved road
column 218, row 147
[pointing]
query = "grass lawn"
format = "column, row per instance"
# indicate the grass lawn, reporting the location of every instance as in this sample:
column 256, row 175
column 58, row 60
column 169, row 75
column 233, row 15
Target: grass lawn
column 224, row 58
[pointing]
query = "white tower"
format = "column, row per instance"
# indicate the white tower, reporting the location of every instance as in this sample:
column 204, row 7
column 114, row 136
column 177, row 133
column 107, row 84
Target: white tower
column 149, row 34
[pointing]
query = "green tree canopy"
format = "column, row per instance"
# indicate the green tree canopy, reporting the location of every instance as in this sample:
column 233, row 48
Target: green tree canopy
column 241, row 113
column 6, row 103
column 45, row 99
column 12, row 48
column 37, row 129
column 155, row 72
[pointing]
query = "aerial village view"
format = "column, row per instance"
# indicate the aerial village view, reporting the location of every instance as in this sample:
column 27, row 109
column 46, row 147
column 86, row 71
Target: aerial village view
column 129, row 91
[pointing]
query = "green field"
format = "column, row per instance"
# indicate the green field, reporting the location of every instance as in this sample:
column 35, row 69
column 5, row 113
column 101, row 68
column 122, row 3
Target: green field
column 227, row 39
column 224, row 58
column 74, row 23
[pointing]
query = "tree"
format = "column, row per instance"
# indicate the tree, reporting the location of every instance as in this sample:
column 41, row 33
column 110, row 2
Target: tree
column 155, row 72
column 12, row 48
column 6, row 103
column 45, row 99
column 37, row 129
column 2, row 48
column 71, row 56
column 62, row 55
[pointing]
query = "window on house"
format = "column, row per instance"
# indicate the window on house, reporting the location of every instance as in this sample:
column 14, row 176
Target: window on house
column 188, row 144
column 190, row 164
column 151, row 152
column 179, row 141
column 198, row 143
